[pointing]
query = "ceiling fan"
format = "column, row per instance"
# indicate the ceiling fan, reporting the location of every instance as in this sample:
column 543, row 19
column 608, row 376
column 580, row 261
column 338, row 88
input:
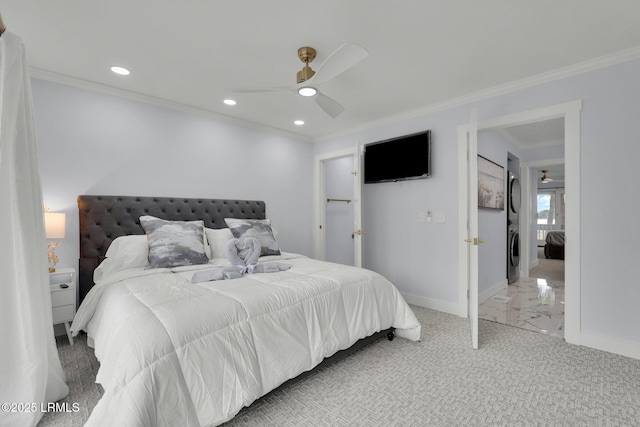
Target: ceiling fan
column 544, row 178
column 308, row 80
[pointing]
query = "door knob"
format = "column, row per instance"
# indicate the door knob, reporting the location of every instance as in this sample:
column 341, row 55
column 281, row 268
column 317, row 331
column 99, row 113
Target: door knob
column 474, row 241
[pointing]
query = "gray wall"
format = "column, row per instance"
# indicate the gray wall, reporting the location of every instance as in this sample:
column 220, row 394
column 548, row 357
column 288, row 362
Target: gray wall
column 421, row 259
column 92, row 143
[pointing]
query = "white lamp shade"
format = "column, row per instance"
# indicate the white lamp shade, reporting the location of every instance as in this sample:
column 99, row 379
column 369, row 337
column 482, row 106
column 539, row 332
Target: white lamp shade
column 54, row 224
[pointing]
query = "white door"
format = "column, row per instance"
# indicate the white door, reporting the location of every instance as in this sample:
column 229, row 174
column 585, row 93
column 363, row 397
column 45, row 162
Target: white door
column 357, row 205
column 472, row 228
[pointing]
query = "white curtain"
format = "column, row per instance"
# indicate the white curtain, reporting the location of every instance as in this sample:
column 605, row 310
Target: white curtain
column 30, row 370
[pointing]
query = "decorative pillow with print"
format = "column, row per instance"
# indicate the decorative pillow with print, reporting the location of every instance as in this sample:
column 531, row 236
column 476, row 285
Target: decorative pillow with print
column 258, row 228
column 174, row 243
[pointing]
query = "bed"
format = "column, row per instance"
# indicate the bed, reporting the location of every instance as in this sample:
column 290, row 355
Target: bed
column 174, row 352
column 554, row 245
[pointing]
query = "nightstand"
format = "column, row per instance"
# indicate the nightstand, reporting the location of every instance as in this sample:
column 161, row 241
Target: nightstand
column 62, row 284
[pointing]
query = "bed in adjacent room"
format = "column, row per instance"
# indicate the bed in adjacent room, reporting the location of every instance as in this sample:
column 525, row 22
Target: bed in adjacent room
column 554, row 245
column 187, row 337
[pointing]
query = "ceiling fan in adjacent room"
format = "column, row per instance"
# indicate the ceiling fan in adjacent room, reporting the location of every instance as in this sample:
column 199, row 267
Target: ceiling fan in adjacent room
column 308, row 80
column 544, row 178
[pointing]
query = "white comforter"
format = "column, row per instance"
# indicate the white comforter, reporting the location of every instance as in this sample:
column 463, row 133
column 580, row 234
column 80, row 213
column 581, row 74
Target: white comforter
column 173, row 353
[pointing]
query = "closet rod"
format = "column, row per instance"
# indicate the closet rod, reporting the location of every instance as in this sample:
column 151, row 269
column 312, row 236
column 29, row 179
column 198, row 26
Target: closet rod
column 338, row 200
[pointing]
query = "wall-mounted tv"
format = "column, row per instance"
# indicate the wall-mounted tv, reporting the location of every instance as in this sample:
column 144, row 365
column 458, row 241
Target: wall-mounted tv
column 398, row 159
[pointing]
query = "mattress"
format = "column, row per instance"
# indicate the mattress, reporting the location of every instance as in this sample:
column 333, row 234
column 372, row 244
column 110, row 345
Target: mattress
column 173, row 352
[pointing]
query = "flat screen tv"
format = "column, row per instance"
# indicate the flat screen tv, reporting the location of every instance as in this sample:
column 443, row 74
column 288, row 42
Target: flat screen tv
column 398, row 159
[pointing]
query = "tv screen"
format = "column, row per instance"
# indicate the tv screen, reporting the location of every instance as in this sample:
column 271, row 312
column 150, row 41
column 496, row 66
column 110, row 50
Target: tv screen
column 398, row 159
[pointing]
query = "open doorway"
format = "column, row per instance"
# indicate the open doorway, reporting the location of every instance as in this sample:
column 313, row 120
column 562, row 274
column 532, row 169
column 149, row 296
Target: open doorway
column 468, row 220
column 536, row 299
column 338, row 190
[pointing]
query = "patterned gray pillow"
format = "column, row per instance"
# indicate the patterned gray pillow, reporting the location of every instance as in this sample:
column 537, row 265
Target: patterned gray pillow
column 174, row 243
column 258, row 228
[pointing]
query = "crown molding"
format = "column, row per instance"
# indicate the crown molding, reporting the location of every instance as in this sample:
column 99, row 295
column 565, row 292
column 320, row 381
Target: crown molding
column 550, row 76
column 558, row 74
column 160, row 102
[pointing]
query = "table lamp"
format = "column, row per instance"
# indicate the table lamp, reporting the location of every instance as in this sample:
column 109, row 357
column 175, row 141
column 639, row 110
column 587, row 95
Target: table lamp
column 54, row 225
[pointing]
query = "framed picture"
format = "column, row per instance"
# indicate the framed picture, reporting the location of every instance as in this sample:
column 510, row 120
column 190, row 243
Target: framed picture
column 490, row 184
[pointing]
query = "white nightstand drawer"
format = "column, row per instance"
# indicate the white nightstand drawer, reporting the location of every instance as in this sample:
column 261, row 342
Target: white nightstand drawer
column 63, row 314
column 62, row 296
column 62, row 284
column 63, row 277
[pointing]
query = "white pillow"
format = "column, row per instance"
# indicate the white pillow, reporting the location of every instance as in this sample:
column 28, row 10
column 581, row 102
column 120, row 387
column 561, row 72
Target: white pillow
column 124, row 252
column 218, row 239
column 129, row 251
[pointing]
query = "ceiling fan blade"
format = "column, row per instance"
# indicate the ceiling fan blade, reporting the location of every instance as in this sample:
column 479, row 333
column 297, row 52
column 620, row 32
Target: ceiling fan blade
column 329, row 105
column 343, row 58
column 261, row 89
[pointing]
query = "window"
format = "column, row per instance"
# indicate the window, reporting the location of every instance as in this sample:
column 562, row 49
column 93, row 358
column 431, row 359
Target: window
column 551, row 213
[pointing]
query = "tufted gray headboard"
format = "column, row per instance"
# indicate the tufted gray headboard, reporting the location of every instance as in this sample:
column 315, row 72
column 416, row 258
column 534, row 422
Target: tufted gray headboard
column 103, row 218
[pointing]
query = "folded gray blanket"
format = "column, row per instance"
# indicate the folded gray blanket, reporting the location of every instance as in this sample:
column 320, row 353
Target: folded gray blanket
column 269, row 267
column 243, row 256
column 226, row 273
column 243, row 252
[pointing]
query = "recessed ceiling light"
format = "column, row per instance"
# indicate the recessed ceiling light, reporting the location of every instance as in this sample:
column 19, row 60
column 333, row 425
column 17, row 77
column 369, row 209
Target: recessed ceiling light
column 299, row 122
column 120, row 70
column 230, row 102
column 307, row 91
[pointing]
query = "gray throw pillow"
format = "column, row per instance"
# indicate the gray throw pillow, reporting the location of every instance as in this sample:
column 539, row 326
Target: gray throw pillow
column 258, row 228
column 174, row 243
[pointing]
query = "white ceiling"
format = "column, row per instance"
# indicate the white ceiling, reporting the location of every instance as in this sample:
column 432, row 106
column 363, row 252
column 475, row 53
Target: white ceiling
column 539, row 134
column 422, row 53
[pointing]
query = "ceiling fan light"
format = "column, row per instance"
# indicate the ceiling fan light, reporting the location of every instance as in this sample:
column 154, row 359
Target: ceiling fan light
column 120, row 70
column 307, row 91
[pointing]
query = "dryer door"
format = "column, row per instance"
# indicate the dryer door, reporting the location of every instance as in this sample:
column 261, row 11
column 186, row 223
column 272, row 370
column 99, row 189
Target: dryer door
column 514, row 250
column 514, row 195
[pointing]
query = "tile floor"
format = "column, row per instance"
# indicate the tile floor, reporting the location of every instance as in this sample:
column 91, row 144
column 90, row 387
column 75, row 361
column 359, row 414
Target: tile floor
column 531, row 303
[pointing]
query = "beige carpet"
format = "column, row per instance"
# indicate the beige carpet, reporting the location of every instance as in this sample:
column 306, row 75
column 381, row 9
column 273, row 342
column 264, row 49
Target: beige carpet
column 516, row 378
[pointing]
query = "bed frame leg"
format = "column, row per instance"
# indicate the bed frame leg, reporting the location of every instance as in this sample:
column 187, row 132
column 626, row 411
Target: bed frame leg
column 391, row 335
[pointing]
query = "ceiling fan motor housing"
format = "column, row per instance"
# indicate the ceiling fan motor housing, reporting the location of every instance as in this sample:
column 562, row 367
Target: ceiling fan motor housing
column 305, row 74
column 306, row 55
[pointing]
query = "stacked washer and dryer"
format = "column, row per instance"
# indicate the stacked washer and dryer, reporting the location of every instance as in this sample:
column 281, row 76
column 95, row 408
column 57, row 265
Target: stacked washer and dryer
column 513, row 227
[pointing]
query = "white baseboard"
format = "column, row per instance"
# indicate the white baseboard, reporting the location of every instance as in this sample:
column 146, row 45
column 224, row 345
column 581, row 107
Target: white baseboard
column 534, row 263
column 611, row 345
column 486, row 294
column 434, row 304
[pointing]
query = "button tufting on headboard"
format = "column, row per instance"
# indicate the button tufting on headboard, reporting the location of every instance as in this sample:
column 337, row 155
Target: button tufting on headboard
column 103, row 218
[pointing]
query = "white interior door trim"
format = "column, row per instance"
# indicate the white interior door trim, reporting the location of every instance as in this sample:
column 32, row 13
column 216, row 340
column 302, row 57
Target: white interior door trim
column 571, row 113
column 320, row 196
